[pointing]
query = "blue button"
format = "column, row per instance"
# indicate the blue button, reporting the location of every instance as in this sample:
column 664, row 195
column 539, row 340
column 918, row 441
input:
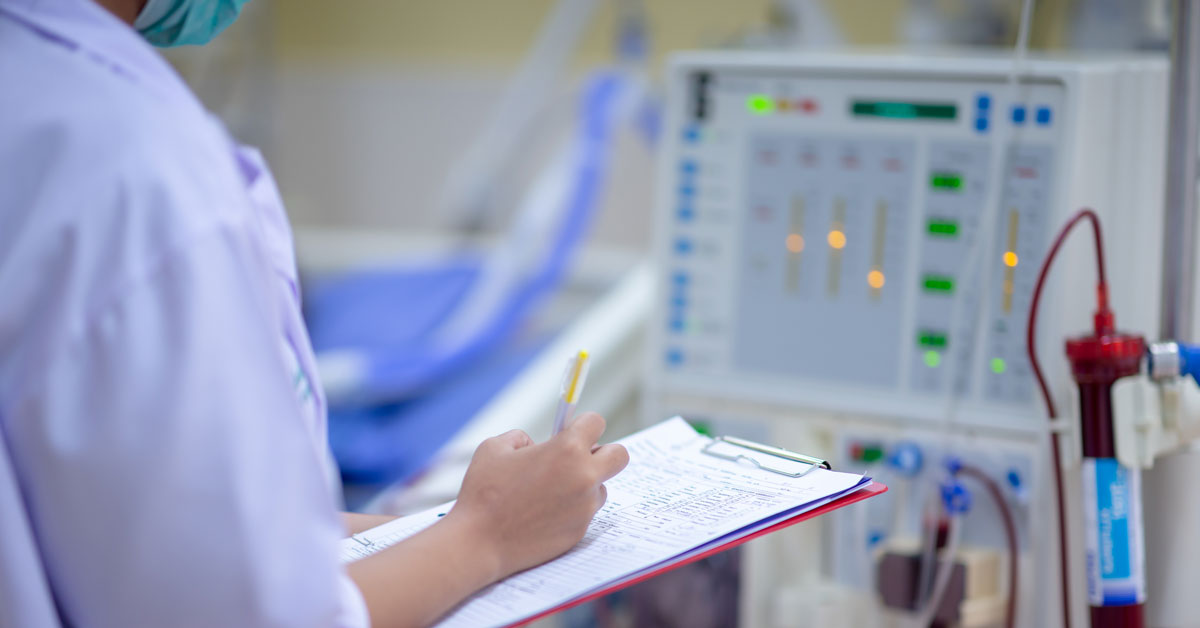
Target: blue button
column 981, row 124
column 983, row 101
column 686, row 214
column 1043, row 116
column 677, row 324
column 1014, row 478
column 683, row 246
column 674, row 356
column 1018, row 114
column 687, row 190
column 681, row 279
column 907, row 458
column 688, row 166
column 691, row 134
column 679, row 301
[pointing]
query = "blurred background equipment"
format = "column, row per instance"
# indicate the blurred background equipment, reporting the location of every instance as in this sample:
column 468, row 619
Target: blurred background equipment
column 826, row 231
column 388, row 336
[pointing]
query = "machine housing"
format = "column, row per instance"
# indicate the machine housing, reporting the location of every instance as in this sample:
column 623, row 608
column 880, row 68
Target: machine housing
column 814, row 218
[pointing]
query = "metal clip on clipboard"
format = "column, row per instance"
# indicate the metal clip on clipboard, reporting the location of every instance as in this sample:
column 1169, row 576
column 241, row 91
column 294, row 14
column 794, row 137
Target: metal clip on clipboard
column 727, row 448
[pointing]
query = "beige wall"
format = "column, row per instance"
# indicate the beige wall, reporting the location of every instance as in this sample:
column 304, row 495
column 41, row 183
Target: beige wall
column 499, row 31
column 485, row 31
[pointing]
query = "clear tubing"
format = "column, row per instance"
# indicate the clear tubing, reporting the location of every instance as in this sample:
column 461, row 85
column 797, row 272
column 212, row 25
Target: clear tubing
column 987, row 225
column 945, row 568
column 957, row 310
column 929, row 547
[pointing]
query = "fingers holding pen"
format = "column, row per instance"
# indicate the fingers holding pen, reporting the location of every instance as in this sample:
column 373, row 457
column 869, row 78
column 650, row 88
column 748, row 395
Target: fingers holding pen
column 610, row 460
column 585, row 430
column 606, row 460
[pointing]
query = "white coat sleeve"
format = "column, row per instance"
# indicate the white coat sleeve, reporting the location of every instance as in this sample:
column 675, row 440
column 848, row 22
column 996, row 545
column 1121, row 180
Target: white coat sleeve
column 168, row 477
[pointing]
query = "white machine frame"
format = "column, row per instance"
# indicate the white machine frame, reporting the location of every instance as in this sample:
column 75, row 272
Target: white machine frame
column 1109, row 156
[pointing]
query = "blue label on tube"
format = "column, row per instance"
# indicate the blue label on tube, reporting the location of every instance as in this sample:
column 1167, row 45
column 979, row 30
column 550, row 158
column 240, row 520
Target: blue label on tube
column 1113, row 511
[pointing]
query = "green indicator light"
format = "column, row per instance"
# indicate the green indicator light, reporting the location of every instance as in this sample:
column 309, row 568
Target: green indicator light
column 946, row 180
column 932, row 339
column 884, row 109
column 939, row 283
column 904, row 110
column 871, row 454
column 932, row 359
column 760, row 104
column 998, row 366
column 943, row 228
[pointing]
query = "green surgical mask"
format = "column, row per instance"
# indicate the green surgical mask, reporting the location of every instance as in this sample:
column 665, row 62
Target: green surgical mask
column 185, row 22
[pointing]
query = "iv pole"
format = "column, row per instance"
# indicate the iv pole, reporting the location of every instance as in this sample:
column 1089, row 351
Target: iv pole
column 1172, row 503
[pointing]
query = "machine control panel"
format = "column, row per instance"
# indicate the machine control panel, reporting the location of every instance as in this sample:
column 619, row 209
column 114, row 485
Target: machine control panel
column 814, row 229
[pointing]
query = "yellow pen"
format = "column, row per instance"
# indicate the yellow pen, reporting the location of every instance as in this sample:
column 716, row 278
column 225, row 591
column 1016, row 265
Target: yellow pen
column 572, row 386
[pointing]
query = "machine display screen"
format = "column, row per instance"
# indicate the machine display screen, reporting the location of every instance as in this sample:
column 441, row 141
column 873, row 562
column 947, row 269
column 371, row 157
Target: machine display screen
column 904, row 110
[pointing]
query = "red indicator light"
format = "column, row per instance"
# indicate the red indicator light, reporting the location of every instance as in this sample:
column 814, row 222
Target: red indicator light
column 808, row 105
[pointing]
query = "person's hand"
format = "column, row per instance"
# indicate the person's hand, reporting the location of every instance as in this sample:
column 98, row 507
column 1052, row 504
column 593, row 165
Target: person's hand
column 529, row 502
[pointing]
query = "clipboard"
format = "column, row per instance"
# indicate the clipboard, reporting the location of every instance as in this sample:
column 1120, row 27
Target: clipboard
column 707, row 502
column 871, row 490
column 765, row 457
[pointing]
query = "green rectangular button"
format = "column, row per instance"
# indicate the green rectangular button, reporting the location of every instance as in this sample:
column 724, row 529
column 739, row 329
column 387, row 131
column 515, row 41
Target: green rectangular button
column 946, row 180
column 939, row 283
column 943, row 228
column 932, row 339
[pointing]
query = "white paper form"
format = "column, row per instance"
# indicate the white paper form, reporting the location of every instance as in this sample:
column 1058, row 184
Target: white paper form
column 672, row 500
column 368, row 542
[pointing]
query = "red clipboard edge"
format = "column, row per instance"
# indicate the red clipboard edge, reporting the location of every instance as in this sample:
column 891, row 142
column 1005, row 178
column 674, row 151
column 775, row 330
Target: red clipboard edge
column 867, row 492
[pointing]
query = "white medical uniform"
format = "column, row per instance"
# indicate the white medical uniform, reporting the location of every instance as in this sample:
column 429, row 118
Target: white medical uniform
column 162, row 437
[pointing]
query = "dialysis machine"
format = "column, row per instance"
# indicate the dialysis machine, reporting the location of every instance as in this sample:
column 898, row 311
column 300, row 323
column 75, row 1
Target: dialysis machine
column 846, row 248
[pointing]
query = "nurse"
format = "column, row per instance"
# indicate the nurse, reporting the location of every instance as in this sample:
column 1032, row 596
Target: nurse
column 162, row 433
